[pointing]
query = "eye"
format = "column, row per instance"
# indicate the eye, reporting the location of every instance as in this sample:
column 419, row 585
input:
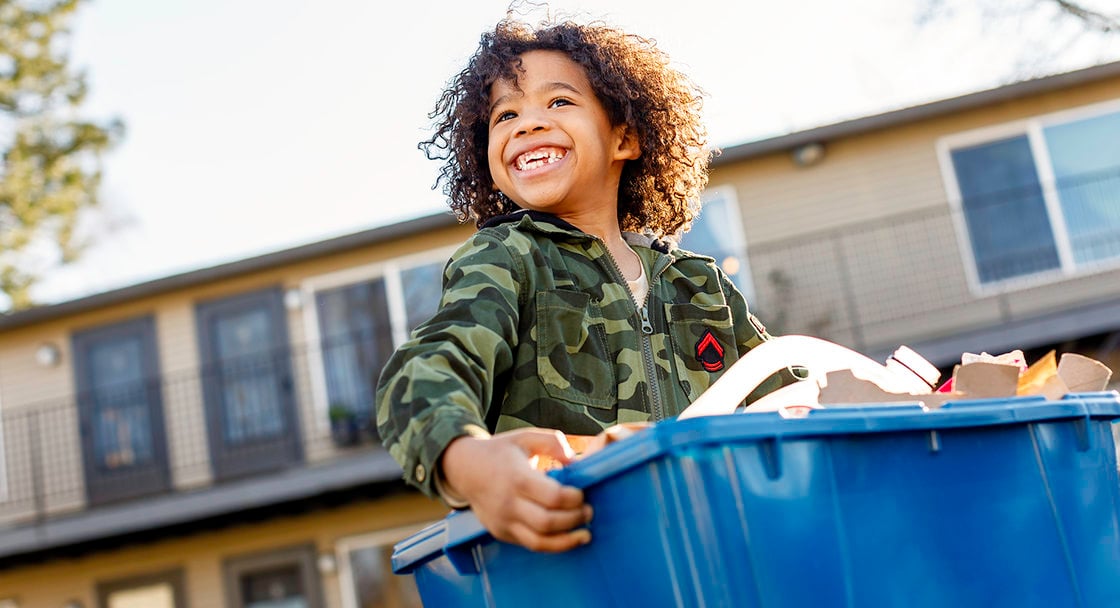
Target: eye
column 560, row 101
column 503, row 116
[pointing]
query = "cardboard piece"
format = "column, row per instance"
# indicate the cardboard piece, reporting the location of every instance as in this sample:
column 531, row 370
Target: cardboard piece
column 845, row 388
column 1040, row 376
column 983, row 376
column 984, row 380
column 1082, row 374
column 906, row 358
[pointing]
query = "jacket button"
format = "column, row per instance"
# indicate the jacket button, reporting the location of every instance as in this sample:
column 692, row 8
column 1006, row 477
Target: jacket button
column 420, row 473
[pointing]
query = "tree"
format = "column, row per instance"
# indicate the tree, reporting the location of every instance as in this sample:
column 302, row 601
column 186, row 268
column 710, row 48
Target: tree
column 1084, row 12
column 1047, row 30
column 51, row 157
column 1092, row 18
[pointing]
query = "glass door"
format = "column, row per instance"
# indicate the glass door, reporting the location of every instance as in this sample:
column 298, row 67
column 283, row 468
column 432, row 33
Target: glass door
column 247, row 384
column 120, row 412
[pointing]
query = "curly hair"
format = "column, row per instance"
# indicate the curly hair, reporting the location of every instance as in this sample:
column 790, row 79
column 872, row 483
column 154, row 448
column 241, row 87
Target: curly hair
column 659, row 192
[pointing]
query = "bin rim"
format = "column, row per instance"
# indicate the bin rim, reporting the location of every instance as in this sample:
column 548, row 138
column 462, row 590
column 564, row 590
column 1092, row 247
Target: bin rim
column 671, row 434
column 461, row 528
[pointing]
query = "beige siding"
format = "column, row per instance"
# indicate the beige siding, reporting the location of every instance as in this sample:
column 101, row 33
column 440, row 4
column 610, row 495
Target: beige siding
column 858, row 180
column 23, row 382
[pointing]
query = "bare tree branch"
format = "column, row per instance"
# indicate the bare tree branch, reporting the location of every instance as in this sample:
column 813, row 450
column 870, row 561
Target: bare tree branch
column 1094, row 20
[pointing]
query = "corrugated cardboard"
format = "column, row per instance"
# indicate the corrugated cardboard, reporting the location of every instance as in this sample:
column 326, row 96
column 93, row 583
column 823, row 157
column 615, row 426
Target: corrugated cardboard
column 982, row 377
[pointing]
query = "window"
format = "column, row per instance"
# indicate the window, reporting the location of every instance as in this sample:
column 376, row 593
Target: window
column 718, row 232
column 359, row 317
column 281, row 578
column 163, row 590
column 1040, row 197
column 366, row 574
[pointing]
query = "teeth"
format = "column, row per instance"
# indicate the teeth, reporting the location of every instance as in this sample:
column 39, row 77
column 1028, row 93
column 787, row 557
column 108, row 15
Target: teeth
column 538, row 158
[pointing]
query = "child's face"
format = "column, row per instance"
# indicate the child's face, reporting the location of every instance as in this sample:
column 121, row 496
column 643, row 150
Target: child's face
column 552, row 146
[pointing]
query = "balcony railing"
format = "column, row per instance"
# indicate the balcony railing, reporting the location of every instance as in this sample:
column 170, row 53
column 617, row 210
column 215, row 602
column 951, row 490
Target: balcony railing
column 937, row 270
column 179, row 433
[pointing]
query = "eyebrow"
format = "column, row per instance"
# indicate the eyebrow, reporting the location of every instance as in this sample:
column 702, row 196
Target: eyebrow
column 547, row 88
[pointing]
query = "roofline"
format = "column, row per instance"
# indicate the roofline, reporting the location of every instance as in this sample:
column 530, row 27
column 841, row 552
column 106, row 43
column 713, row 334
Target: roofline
column 407, row 228
column 268, row 261
column 911, row 114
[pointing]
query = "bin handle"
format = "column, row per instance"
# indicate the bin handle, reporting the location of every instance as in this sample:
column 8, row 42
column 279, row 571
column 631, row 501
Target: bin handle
column 463, row 533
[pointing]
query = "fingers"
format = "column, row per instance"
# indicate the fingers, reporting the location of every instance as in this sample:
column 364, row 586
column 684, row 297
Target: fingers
column 538, row 513
column 544, row 520
column 513, row 501
column 548, row 543
column 547, row 492
column 539, row 528
column 542, row 442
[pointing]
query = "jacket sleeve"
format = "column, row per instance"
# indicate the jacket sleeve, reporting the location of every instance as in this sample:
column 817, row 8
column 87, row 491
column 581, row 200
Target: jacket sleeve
column 439, row 384
column 749, row 333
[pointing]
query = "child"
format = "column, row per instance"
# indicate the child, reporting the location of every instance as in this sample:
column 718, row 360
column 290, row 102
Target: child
column 579, row 153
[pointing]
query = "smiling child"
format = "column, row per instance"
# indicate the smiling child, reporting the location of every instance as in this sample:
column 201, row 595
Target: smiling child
column 579, row 153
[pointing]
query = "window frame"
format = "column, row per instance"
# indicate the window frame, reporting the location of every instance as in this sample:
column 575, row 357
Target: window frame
column 389, row 270
column 371, row 540
column 305, row 556
column 1033, row 128
column 174, row 577
column 730, row 194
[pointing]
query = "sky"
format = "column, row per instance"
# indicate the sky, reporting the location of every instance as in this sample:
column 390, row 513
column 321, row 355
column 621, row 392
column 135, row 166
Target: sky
column 257, row 125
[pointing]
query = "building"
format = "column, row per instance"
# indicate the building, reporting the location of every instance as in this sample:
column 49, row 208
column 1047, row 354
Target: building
column 204, row 439
column 986, row 222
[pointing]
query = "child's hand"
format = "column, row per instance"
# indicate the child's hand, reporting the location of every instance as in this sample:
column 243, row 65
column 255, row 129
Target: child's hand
column 515, row 502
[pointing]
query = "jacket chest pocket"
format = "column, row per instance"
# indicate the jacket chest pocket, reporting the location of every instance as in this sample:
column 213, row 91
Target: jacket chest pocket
column 573, row 361
column 703, row 340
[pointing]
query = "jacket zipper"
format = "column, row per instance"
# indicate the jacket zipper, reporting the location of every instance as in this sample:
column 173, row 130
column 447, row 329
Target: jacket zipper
column 656, row 408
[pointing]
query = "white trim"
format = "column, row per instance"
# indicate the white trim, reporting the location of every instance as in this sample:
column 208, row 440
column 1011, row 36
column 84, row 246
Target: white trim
column 390, row 271
column 956, row 213
column 1032, row 128
column 1044, row 171
column 1094, row 110
column 343, row 547
column 394, row 296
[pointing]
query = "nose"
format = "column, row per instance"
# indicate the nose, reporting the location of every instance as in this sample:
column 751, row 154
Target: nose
column 531, row 122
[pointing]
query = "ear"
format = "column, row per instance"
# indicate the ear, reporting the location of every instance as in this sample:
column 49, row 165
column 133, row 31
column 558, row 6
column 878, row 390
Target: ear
column 628, row 146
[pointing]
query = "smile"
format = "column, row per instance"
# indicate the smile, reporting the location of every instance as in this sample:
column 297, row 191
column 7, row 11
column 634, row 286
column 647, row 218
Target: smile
column 538, row 158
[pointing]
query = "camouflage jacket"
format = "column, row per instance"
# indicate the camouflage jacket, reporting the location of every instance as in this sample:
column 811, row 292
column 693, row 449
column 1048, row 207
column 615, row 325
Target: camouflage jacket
column 536, row 327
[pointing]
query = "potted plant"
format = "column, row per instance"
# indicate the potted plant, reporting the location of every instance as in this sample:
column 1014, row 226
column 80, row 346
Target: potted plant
column 345, row 429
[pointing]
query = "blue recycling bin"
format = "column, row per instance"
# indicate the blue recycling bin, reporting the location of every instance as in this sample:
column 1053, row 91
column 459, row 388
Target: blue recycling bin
column 986, row 503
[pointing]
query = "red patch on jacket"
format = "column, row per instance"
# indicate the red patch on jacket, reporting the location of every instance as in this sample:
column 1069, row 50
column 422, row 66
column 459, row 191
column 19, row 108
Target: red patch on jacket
column 709, row 352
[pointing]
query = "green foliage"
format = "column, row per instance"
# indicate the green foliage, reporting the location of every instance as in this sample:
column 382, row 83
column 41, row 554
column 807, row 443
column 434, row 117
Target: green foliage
column 51, row 158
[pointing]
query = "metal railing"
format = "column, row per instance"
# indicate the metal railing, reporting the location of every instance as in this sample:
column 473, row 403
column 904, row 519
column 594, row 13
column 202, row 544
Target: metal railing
column 924, row 272
column 163, row 435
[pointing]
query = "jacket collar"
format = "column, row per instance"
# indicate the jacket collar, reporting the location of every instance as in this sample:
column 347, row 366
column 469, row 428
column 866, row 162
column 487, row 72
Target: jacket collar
column 548, row 223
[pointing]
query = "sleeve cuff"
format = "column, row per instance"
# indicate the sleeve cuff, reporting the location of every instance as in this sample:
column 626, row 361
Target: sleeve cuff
column 450, row 498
